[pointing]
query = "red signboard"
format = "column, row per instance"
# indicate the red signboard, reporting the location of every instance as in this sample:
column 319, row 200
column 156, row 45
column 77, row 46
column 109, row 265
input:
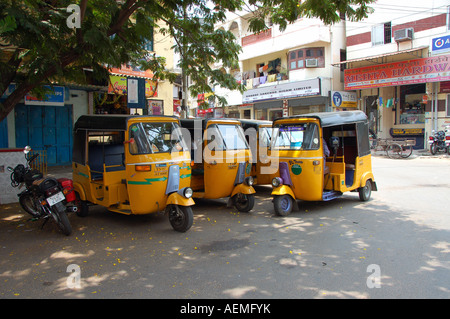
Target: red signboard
column 130, row 71
column 432, row 69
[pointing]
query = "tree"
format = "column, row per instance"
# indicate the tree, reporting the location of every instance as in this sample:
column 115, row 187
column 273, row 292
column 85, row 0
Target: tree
column 46, row 41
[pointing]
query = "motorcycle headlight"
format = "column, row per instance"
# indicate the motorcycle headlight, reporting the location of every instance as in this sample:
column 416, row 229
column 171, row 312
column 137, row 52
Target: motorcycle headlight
column 277, row 181
column 249, row 181
column 188, row 192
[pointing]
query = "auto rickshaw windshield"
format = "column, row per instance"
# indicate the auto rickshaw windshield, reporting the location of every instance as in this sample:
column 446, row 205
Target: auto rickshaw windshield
column 226, row 137
column 298, row 136
column 265, row 134
column 152, row 138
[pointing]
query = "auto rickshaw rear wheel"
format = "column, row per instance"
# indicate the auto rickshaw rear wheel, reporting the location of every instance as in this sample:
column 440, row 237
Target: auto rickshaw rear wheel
column 180, row 217
column 82, row 206
column 244, row 202
column 364, row 192
column 283, row 205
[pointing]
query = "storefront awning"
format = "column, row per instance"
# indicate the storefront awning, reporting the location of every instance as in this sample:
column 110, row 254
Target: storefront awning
column 378, row 59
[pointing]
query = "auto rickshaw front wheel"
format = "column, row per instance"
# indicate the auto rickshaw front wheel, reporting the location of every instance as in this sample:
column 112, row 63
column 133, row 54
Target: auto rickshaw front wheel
column 180, row 217
column 283, row 205
column 244, row 202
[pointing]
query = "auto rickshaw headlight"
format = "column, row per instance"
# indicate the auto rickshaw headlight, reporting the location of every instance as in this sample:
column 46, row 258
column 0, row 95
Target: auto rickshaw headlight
column 188, row 192
column 249, row 181
column 277, row 181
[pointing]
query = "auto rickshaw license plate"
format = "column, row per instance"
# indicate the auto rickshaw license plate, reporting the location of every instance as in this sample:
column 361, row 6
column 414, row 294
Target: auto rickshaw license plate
column 58, row 197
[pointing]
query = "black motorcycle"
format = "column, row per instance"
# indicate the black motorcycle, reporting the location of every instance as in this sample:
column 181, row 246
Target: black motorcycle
column 436, row 142
column 44, row 197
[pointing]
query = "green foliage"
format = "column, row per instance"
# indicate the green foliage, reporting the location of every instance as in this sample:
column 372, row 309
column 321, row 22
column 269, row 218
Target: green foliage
column 37, row 46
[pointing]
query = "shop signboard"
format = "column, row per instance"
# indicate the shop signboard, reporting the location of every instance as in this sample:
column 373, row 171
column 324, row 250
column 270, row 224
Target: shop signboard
column 441, row 44
column 53, row 97
column 283, row 91
column 127, row 70
column 431, row 69
column 343, row 99
column 136, row 93
column 151, row 88
column 117, row 84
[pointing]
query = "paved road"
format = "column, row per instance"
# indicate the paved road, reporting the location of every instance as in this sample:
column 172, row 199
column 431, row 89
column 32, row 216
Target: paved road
column 394, row 246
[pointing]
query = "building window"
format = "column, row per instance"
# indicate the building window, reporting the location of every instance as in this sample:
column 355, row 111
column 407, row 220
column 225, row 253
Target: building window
column 382, row 34
column 298, row 58
column 148, row 46
column 149, row 43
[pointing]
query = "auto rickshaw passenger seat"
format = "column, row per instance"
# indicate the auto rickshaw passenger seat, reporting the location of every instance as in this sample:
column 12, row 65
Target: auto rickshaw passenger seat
column 110, row 155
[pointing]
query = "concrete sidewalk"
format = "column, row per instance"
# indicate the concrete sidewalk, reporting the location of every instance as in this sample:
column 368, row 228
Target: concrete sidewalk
column 60, row 171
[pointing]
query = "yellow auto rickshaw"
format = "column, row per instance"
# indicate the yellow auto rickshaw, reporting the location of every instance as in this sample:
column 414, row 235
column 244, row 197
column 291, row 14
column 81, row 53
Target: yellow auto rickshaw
column 322, row 155
column 133, row 165
column 258, row 135
column 221, row 161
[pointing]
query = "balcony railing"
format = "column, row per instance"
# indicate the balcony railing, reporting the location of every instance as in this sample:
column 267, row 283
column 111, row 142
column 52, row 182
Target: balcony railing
column 257, row 37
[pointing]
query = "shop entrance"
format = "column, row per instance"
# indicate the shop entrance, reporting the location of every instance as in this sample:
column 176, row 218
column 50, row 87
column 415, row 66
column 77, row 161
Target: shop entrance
column 412, row 107
column 371, row 105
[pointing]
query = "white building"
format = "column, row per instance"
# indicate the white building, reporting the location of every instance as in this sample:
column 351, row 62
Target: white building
column 398, row 61
column 285, row 73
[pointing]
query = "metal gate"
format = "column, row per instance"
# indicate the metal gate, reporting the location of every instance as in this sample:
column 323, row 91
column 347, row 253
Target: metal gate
column 46, row 128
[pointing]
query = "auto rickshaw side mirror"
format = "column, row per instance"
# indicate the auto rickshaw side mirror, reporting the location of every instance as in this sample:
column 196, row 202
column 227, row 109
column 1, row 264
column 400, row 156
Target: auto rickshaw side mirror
column 334, row 142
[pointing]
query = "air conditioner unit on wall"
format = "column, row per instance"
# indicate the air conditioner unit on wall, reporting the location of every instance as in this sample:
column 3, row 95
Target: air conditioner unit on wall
column 403, row 34
column 311, row 63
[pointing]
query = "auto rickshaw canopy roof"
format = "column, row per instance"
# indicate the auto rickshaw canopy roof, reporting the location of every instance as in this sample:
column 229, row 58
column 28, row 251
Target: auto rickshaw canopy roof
column 112, row 122
column 333, row 118
column 246, row 123
column 190, row 123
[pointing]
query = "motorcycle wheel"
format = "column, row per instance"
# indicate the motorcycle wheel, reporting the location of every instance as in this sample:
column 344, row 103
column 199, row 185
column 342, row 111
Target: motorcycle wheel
column 60, row 216
column 180, row 217
column 28, row 205
column 433, row 149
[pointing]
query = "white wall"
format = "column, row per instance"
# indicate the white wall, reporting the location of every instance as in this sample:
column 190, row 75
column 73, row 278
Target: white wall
column 397, row 12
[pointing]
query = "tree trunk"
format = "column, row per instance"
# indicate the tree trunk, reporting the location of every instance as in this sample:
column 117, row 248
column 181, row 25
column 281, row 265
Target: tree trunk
column 10, row 102
column 15, row 97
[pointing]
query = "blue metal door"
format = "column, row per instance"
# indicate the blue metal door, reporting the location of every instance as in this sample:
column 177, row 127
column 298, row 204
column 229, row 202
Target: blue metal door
column 4, row 133
column 64, row 134
column 49, row 134
column 46, row 128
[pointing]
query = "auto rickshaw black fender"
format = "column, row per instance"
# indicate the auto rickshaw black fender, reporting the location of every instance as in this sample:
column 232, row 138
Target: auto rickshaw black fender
column 368, row 176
